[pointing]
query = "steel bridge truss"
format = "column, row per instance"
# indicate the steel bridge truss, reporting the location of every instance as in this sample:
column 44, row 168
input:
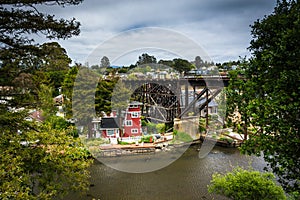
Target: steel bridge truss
column 161, row 103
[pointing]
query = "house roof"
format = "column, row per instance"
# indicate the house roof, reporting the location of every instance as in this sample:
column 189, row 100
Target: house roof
column 135, row 103
column 109, row 122
column 36, row 115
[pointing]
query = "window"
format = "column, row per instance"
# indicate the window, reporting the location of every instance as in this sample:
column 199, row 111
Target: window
column 110, row 132
column 134, row 130
column 128, row 122
column 134, row 114
column 133, row 106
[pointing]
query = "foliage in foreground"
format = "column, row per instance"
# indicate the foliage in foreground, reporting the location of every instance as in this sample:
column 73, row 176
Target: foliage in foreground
column 38, row 161
column 246, row 185
column 266, row 93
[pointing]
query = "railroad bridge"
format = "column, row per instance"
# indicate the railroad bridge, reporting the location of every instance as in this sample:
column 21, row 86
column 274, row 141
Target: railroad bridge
column 166, row 99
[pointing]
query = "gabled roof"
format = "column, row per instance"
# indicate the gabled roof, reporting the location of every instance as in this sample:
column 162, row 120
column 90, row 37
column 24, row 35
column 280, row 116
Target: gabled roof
column 109, row 122
column 135, row 103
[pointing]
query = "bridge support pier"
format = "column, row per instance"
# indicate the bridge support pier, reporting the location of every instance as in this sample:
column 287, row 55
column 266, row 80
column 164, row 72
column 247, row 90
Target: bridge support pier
column 189, row 125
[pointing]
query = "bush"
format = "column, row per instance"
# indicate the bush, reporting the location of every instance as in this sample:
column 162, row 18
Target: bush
column 161, row 128
column 181, row 137
column 243, row 185
column 147, row 139
column 151, row 128
column 226, row 139
column 123, row 143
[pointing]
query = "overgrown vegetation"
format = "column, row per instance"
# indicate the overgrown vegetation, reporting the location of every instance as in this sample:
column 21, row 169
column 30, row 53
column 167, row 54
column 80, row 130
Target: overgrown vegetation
column 264, row 91
column 181, row 137
column 41, row 156
column 147, row 139
column 241, row 184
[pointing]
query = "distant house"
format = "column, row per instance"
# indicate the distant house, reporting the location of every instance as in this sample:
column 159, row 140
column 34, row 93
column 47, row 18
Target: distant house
column 109, row 127
column 35, row 115
column 58, row 100
column 132, row 120
column 212, row 108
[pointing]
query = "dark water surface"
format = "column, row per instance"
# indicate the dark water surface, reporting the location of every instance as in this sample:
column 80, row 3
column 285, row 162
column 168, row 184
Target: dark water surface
column 186, row 178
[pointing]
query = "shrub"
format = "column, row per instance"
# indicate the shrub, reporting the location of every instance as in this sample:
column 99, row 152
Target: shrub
column 246, row 184
column 146, row 139
column 182, row 137
column 226, row 139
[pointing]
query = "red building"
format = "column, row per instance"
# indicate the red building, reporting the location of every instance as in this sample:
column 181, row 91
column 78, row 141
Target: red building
column 132, row 120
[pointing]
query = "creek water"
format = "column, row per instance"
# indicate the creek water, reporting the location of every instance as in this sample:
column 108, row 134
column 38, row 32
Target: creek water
column 186, row 178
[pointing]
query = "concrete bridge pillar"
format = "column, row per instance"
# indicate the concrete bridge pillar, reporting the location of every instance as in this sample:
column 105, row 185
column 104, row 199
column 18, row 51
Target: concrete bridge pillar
column 188, row 125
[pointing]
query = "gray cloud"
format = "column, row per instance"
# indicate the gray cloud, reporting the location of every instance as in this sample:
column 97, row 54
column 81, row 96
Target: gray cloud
column 220, row 27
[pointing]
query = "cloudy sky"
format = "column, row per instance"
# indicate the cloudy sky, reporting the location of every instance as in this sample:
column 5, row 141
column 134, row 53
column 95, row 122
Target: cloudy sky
column 219, row 27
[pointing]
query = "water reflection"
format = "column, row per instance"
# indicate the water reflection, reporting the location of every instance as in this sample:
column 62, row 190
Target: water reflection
column 186, row 178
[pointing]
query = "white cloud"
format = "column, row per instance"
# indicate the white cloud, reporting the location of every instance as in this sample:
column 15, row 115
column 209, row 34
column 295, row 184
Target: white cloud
column 220, row 27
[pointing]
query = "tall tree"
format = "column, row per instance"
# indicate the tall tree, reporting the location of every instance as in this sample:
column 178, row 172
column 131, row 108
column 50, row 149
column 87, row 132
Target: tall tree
column 37, row 160
column 198, row 62
column 104, row 63
column 275, row 75
column 19, row 21
column 103, row 95
column 239, row 95
column 67, row 90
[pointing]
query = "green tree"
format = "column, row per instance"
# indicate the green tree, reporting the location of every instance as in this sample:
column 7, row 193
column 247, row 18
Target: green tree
column 146, row 59
column 21, row 19
column 199, row 62
column 46, row 103
column 83, row 98
column 245, row 185
column 104, row 63
column 182, row 65
column 121, row 95
column 239, row 95
column 160, row 127
column 103, row 96
column 37, row 161
column 67, row 90
column 275, row 75
column 20, row 55
column 166, row 62
column 54, row 57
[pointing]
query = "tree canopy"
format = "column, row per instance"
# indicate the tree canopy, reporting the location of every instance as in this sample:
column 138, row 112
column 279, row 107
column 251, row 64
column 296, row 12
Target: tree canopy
column 21, row 19
column 272, row 92
column 39, row 159
column 104, row 63
column 146, row 59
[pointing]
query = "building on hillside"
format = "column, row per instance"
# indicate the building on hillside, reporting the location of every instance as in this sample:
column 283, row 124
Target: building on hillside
column 132, row 125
